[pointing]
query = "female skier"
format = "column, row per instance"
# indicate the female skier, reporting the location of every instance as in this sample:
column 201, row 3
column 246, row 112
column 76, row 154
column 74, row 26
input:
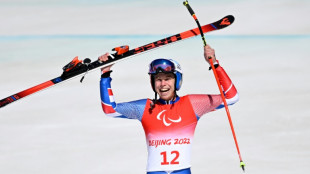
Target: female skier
column 169, row 121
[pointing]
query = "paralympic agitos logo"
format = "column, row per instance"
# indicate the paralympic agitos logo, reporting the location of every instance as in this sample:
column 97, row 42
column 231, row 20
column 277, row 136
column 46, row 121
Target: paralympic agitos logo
column 166, row 120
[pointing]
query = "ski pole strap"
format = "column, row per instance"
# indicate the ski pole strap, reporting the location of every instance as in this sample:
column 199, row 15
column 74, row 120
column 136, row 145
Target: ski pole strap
column 215, row 66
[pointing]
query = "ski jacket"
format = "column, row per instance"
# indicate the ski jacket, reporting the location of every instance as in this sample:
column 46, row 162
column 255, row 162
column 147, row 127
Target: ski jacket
column 169, row 127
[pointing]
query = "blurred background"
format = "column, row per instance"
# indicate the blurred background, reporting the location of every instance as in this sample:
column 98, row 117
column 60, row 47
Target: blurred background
column 63, row 129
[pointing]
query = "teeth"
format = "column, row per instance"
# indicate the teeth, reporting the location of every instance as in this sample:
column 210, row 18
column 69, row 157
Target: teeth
column 164, row 90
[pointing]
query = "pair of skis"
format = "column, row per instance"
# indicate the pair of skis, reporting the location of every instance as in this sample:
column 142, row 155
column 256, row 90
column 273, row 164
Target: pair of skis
column 80, row 67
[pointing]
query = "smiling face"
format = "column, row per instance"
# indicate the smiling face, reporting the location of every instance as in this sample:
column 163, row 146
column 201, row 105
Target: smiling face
column 165, row 85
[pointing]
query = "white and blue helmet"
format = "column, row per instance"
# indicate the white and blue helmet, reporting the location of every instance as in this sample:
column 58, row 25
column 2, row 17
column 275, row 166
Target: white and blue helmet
column 166, row 66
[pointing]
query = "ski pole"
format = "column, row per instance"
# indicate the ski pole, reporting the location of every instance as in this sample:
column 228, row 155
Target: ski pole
column 191, row 11
column 242, row 164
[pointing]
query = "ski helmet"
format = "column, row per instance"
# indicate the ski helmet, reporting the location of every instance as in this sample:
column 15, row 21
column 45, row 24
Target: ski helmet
column 166, row 66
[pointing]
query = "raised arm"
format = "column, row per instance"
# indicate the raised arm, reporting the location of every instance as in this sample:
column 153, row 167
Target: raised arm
column 203, row 103
column 131, row 110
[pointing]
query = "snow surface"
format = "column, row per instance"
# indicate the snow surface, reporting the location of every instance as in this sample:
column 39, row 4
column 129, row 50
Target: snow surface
column 63, row 129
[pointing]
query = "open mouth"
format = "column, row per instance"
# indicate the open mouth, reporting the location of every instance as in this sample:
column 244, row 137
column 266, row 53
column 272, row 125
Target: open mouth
column 164, row 90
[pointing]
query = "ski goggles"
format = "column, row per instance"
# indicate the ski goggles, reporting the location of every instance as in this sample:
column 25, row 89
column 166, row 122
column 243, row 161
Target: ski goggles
column 161, row 65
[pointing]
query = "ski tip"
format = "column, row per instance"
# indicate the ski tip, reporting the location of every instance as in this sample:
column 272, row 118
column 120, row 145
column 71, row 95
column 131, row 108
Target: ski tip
column 224, row 22
column 228, row 18
column 231, row 18
column 242, row 165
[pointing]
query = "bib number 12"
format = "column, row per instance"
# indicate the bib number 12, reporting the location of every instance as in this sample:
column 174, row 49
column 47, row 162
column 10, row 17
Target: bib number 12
column 175, row 154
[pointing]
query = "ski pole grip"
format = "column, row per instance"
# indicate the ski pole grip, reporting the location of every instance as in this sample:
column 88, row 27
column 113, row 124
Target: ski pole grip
column 191, row 11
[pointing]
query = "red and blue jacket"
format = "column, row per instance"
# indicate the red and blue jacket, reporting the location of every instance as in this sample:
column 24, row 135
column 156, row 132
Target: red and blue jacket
column 169, row 127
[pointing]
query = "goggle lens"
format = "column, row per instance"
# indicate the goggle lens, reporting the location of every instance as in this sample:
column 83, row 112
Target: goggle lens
column 161, row 65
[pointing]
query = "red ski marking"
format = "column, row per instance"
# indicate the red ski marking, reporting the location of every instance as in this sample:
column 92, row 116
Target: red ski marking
column 225, row 21
column 35, row 89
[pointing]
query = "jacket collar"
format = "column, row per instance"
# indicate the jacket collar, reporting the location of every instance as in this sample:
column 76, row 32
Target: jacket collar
column 170, row 101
